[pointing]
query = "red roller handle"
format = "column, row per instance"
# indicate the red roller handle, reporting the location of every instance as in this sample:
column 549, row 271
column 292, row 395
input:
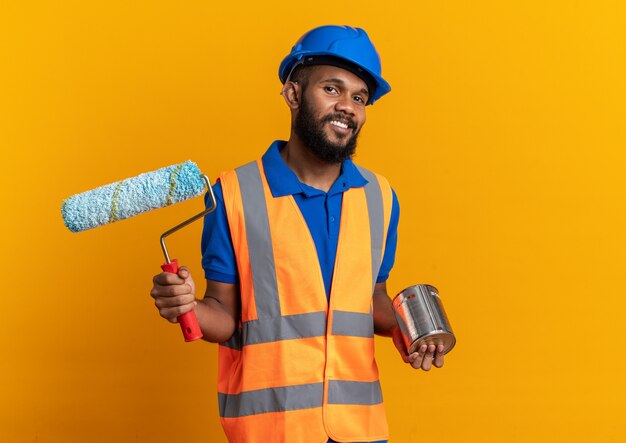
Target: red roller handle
column 188, row 321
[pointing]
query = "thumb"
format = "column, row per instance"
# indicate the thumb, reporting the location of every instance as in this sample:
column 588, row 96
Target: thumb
column 183, row 272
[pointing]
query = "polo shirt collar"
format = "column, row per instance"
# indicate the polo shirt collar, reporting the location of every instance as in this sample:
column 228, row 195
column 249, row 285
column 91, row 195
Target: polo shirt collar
column 283, row 181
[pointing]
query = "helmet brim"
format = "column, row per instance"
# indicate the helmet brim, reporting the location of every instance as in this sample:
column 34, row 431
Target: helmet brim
column 375, row 82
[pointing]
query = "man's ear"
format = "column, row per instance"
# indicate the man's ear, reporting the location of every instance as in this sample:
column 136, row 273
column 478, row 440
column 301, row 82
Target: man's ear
column 292, row 93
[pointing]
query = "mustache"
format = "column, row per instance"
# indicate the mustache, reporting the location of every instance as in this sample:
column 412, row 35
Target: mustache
column 340, row 117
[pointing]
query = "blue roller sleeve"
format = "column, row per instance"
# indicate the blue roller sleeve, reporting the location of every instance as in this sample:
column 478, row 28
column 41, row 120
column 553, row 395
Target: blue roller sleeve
column 133, row 196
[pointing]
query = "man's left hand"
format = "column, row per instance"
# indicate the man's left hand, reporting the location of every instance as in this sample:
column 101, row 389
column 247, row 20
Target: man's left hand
column 425, row 357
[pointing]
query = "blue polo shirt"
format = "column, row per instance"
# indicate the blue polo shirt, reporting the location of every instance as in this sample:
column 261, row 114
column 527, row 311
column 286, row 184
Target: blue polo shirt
column 321, row 211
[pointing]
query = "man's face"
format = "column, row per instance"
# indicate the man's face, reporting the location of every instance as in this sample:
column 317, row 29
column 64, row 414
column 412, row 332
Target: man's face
column 331, row 113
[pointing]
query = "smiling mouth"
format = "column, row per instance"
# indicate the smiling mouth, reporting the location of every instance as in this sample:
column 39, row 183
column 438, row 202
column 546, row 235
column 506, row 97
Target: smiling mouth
column 339, row 124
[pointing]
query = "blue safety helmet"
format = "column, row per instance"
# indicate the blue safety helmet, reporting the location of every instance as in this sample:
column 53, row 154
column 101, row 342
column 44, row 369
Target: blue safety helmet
column 342, row 46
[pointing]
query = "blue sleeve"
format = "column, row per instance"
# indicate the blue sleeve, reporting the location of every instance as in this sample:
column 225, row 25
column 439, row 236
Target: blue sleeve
column 218, row 255
column 392, row 241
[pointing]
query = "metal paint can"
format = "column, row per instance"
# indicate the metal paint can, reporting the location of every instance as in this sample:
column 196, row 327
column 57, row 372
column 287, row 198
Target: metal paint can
column 422, row 319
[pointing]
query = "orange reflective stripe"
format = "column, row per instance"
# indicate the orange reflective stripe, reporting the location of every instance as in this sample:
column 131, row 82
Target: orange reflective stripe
column 236, row 224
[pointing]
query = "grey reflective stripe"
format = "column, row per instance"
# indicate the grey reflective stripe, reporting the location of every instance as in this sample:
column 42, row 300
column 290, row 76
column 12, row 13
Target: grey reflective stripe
column 288, row 327
column 234, row 342
column 354, row 393
column 374, row 197
column 259, row 241
column 288, row 398
column 353, row 323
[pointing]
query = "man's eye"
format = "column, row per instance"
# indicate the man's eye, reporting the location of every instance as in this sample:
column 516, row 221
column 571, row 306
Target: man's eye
column 359, row 99
column 329, row 89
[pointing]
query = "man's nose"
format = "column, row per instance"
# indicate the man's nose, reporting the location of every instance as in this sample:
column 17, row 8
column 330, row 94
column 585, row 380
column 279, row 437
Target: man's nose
column 345, row 104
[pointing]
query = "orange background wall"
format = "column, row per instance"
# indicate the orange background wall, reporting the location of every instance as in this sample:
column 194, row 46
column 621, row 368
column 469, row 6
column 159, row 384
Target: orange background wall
column 503, row 137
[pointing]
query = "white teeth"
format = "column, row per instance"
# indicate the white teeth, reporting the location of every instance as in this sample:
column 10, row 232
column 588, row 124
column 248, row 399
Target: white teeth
column 340, row 124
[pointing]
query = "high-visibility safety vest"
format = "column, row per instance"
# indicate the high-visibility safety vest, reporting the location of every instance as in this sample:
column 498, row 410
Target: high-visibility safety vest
column 298, row 370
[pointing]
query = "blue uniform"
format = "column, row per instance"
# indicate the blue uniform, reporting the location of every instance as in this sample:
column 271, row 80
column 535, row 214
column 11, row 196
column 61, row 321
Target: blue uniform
column 321, row 211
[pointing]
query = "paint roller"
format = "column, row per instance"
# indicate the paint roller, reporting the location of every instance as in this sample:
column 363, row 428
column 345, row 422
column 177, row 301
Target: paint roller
column 136, row 195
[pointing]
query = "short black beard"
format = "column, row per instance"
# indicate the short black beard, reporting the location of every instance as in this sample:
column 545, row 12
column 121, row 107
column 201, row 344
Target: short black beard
column 311, row 133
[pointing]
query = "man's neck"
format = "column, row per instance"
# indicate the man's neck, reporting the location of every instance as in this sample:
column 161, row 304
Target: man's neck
column 309, row 169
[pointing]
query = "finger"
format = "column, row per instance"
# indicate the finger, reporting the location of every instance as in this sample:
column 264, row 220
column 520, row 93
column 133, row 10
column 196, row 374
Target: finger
column 170, row 291
column 172, row 314
column 438, row 361
column 167, row 278
column 176, row 290
column 427, row 362
column 171, row 302
column 186, row 275
column 417, row 358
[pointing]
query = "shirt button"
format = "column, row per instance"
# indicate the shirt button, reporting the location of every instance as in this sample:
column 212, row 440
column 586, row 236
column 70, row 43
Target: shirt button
column 332, row 219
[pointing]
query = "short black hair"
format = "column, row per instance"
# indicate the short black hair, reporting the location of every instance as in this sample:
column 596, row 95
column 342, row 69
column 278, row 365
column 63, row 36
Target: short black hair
column 300, row 75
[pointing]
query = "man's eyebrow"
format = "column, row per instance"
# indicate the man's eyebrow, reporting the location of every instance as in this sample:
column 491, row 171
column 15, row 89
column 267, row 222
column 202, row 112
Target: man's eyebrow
column 341, row 82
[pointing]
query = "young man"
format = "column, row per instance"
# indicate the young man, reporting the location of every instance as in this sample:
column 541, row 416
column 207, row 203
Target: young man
column 296, row 257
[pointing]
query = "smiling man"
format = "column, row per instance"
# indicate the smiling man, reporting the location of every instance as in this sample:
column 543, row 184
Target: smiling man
column 296, row 257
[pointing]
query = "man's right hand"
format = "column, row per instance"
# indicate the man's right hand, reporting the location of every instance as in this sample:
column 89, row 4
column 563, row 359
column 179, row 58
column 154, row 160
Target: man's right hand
column 174, row 294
